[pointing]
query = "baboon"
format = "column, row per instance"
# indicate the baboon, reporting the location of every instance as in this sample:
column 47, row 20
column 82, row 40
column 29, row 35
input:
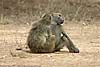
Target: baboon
column 40, row 38
column 48, row 35
column 62, row 38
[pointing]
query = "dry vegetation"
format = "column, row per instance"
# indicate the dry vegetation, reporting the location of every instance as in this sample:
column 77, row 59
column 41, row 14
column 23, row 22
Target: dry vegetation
column 25, row 11
column 82, row 24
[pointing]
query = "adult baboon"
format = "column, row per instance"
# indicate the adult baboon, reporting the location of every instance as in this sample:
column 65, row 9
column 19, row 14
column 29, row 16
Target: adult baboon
column 48, row 36
column 62, row 38
column 40, row 38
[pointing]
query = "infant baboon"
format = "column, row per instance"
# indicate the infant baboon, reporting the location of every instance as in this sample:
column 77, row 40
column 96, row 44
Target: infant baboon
column 40, row 38
column 62, row 38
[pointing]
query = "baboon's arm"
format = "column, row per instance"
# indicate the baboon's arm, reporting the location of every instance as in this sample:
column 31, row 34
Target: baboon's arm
column 64, row 34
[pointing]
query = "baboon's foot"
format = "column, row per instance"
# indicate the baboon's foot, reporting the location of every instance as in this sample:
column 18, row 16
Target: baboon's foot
column 57, row 50
column 75, row 50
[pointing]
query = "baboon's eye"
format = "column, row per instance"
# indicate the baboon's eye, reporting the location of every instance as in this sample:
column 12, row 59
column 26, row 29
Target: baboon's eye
column 60, row 15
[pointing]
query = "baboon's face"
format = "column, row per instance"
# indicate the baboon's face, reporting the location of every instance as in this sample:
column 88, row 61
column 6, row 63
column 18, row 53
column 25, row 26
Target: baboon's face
column 57, row 17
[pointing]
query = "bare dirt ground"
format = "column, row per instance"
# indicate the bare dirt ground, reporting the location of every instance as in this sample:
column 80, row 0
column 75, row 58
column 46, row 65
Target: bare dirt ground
column 86, row 38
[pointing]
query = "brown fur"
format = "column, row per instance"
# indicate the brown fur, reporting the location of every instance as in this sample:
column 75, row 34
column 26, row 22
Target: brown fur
column 40, row 36
column 47, row 35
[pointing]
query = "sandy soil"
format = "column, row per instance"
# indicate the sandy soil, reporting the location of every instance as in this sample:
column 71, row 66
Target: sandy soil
column 86, row 38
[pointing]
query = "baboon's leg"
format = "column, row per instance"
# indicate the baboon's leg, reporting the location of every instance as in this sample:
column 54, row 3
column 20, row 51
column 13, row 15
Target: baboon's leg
column 59, row 45
column 69, row 44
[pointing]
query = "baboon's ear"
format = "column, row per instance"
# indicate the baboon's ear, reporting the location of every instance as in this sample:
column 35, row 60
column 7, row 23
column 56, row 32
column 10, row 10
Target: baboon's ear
column 44, row 15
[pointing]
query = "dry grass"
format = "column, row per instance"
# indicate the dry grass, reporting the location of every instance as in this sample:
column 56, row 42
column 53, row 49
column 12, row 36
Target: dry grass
column 26, row 11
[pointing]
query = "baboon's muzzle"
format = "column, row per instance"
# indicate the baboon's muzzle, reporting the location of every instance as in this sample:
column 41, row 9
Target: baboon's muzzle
column 62, row 22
